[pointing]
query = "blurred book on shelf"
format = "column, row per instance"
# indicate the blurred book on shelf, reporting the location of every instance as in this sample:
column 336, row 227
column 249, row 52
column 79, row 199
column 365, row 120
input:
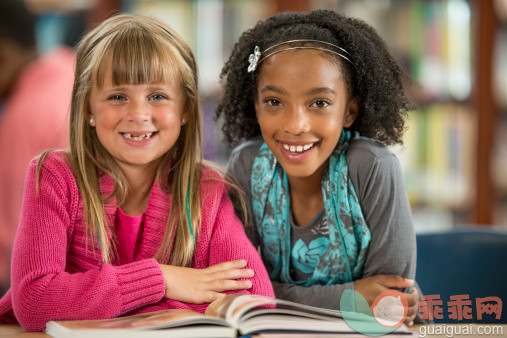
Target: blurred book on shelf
column 500, row 158
column 438, row 156
column 500, row 91
column 440, row 48
column 179, row 14
column 500, row 66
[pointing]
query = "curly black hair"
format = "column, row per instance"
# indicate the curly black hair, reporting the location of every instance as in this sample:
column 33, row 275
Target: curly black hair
column 376, row 79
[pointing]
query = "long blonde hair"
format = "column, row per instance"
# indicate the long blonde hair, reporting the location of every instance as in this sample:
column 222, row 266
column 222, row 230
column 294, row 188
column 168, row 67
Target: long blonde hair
column 142, row 50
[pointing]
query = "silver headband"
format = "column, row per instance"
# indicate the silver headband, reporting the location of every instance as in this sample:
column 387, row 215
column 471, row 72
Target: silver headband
column 256, row 58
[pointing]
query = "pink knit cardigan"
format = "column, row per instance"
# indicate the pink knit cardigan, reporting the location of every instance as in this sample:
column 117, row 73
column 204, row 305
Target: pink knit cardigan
column 57, row 274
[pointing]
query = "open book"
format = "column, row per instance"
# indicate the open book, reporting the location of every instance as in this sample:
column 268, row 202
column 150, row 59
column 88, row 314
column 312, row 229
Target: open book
column 230, row 316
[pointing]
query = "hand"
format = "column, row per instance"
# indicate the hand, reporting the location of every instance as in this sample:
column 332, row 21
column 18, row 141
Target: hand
column 373, row 286
column 205, row 285
column 413, row 306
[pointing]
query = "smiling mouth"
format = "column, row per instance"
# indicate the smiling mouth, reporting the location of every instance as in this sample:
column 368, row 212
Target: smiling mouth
column 297, row 148
column 140, row 137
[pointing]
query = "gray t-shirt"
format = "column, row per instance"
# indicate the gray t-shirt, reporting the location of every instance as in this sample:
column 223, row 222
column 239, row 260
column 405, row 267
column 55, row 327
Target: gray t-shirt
column 308, row 243
column 376, row 175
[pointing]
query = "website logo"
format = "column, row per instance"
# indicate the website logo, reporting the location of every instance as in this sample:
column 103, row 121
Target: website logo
column 387, row 313
column 460, row 307
column 390, row 308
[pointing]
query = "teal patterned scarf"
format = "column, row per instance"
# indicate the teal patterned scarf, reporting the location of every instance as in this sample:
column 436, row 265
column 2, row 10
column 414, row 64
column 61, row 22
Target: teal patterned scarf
column 349, row 236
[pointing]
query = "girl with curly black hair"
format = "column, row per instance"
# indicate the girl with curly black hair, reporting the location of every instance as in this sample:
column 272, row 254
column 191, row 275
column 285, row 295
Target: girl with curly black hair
column 317, row 97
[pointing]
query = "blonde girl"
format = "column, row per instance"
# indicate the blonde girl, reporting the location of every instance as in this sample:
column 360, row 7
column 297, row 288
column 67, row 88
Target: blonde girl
column 129, row 219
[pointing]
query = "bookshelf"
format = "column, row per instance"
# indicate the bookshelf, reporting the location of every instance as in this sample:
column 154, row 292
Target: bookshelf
column 486, row 107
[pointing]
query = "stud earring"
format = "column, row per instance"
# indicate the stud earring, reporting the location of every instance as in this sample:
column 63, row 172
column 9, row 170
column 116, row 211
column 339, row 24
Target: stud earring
column 183, row 120
column 91, row 121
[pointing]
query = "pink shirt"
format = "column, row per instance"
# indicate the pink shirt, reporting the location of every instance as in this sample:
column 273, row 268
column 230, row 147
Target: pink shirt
column 129, row 236
column 58, row 273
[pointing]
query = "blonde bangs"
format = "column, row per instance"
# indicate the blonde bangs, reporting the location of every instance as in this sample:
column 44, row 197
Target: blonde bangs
column 138, row 57
column 138, row 50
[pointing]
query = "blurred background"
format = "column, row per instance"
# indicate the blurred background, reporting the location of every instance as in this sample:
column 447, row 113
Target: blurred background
column 454, row 157
column 455, row 153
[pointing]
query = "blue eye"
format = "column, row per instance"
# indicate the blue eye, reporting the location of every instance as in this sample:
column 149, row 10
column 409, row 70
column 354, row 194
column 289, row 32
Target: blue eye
column 116, row 97
column 158, row 97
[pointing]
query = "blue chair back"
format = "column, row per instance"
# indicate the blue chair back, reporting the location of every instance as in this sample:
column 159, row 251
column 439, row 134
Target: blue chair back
column 471, row 261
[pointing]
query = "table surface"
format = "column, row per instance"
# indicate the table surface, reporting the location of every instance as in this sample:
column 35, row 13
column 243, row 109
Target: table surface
column 18, row 331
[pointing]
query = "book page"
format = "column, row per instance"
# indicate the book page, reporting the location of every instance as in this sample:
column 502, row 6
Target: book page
column 150, row 320
column 254, row 313
column 218, row 308
column 234, row 307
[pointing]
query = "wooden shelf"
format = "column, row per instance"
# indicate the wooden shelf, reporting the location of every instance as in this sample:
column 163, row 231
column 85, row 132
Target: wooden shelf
column 484, row 103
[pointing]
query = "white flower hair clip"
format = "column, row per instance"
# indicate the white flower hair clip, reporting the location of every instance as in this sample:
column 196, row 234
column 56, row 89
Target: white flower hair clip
column 254, row 59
